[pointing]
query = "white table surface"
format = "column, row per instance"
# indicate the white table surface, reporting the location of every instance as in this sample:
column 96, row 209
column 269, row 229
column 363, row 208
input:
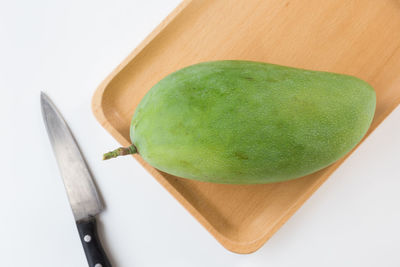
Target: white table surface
column 66, row 48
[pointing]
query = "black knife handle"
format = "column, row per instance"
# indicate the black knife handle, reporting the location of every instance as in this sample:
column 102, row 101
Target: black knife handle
column 95, row 254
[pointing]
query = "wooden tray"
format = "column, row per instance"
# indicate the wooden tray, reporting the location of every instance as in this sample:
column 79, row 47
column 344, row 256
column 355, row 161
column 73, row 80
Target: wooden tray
column 360, row 38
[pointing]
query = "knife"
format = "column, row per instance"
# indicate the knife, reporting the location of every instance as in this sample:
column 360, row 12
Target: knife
column 78, row 182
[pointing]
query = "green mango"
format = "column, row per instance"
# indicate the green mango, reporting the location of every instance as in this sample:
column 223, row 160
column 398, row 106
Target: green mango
column 243, row 122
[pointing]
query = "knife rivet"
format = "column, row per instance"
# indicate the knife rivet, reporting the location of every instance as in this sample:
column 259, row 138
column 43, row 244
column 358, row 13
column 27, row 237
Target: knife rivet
column 98, row 265
column 87, row 239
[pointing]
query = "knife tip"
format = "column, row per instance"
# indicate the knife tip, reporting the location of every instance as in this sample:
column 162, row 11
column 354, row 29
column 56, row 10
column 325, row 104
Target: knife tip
column 44, row 98
column 44, row 102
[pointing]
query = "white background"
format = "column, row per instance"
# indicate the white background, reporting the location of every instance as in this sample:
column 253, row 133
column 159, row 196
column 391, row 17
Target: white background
column 66, row 48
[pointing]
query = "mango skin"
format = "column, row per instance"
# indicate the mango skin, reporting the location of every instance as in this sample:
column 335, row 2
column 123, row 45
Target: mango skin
column 243, row 122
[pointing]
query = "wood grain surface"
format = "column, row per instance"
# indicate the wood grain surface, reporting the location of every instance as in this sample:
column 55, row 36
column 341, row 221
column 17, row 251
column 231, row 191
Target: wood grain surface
column 356, row 37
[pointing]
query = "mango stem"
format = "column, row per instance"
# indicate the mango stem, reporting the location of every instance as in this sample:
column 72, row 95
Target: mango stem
column 121, row 151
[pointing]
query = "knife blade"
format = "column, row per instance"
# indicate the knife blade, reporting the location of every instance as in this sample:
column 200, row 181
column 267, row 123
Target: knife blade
column 78, row 182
